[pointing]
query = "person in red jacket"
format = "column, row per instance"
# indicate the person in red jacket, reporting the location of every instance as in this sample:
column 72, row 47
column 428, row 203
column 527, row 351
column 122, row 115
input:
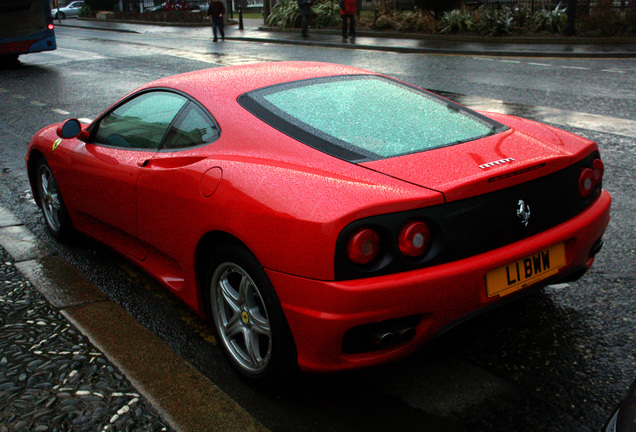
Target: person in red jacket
column 348, row 13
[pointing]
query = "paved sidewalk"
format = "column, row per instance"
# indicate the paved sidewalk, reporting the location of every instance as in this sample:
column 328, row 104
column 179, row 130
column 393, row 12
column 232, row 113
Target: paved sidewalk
column 254, row 32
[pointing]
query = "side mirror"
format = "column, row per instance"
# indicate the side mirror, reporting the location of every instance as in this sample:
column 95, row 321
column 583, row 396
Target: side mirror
column 71, row 128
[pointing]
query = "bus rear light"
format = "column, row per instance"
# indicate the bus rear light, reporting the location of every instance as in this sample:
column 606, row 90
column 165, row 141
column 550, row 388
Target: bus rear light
column 51, row 26
column 414, row 238
column 363, row 245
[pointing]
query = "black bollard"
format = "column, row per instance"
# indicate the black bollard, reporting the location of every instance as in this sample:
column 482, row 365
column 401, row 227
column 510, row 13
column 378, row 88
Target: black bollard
column 240, row 17
column 570, row 28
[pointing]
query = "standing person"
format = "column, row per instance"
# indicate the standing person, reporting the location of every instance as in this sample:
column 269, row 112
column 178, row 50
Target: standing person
column 348, row 13
column 304, row 11
column 216, row 12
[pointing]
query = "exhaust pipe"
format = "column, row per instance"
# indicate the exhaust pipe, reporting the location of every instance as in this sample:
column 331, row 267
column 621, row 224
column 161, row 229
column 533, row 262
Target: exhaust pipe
column 380, row 335
column 388, row 338
column 384, row 339
column 405, row 334
column 596, row 248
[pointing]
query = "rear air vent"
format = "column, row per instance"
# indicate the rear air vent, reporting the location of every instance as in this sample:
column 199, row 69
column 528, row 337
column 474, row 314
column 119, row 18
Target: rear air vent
column 516, row 173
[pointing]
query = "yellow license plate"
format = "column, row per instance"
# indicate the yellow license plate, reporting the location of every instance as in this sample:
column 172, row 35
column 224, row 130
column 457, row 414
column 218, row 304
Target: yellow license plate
column 525, row 272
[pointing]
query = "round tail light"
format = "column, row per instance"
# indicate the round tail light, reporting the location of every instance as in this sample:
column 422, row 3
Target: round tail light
column 363, row 245
column 586, row 182
column 599, row 170
column 414, row 238
column 590, row 178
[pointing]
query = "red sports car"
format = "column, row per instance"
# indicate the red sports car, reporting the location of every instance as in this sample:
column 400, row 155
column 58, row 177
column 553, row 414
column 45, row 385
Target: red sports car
column 323, row 216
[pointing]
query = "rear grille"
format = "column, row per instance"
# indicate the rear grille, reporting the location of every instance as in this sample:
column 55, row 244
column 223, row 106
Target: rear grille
column 475, row 225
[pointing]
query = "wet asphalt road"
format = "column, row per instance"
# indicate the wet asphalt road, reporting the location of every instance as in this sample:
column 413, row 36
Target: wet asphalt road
column 557, row 360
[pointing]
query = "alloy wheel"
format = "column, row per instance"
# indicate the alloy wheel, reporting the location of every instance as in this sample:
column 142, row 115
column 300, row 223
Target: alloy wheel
column 241, row 318
column 51, row 202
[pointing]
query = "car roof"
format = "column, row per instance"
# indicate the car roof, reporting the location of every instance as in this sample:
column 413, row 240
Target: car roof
column 230, row 82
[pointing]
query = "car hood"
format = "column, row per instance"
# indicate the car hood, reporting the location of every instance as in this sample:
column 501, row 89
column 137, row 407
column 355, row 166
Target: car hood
column 527, row 150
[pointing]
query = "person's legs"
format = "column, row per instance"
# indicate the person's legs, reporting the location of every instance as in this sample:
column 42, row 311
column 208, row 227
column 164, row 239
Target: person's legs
column 221, row 25
column 304, row 25
column 344, row 26
column 352, row 26
column 214, row 31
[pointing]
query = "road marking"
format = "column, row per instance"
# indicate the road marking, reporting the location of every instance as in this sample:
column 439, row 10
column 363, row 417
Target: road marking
column 18, row 96
column 65, row 55
column 216, row 58
column 74, row 51
column 547, row 65
column 38, row 104
column 59, row 111
column 85, row 120
column 3, row 90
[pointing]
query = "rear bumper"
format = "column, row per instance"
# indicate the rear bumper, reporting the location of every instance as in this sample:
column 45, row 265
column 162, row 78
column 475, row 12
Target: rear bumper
column 320, row 313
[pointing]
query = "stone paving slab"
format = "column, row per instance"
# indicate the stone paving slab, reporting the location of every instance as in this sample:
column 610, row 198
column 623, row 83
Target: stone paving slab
column 7, row 218
column 60, row 282
column 22, row 244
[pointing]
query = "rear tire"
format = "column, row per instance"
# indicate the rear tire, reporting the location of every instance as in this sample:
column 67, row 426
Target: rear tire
column 61, row 15
column 247, row 316
column 53, row 208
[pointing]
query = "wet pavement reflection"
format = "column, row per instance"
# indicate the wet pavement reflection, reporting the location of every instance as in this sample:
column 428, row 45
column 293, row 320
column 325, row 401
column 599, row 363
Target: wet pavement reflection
column 594, row 122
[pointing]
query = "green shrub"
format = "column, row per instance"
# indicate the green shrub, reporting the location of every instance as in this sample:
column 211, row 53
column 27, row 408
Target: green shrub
column 283, row 15
column 552, row 21
column 417, row 21
column 494, row 22
column 86, row 11
column 521, row 17
column 327, row 14
column 384, row 22
column 457, row 21
column 388, row 18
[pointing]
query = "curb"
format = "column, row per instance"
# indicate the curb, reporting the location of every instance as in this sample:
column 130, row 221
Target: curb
column 187, row 400
column 439, row 51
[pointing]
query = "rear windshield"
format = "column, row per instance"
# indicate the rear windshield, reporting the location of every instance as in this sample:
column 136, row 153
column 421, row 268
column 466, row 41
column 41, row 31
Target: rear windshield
column 366, row 117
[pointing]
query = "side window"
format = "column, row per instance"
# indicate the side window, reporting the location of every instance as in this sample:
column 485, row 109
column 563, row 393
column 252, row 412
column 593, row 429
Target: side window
column 192, row 128
column 140, row 123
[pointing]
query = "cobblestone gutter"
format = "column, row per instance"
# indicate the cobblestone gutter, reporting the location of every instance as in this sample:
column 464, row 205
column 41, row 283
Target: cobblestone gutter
column 51, row 377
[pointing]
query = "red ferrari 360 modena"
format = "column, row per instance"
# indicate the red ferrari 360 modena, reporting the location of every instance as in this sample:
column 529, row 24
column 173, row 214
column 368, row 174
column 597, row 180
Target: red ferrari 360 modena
column 323, row 216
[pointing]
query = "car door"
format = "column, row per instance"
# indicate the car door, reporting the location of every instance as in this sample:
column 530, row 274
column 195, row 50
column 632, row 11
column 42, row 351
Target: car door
column 105, row 170
column 174, row 187
column 74, row 8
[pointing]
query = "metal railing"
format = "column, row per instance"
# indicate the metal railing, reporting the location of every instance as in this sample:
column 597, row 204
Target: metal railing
column 534, row 5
